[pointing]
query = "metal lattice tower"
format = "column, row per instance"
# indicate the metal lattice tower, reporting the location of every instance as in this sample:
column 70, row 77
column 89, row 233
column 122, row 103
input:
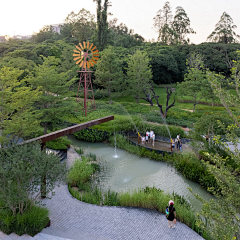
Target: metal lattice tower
column 86, row 56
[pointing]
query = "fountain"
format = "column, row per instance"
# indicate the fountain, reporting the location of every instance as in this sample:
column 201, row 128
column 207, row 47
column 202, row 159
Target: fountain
column 115, row 143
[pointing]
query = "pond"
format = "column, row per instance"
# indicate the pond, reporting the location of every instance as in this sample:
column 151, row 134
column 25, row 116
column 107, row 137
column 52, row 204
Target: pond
column 129, row 172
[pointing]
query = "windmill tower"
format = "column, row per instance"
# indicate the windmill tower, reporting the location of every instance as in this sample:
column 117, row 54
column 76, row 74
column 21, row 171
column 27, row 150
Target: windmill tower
column 85, row 55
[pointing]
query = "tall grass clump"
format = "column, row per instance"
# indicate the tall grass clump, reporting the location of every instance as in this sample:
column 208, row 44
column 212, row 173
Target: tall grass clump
column 30, row 222
column 80, row 171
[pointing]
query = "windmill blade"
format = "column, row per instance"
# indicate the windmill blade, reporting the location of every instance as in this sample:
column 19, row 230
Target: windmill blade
column 76, row 51
column 96, row 51
column 81, row 45
column 76, row 55
column 96, row 54
column 88, row 65
column 94, row 48
column 92, row 64
column 87, row 45
column 79, row 61
column 84, row 64
column 91, row 46
column 96, row 58
column 76, row 58
column 78, row 48
column 84, row 44
column 80, row 65
column 93, row 61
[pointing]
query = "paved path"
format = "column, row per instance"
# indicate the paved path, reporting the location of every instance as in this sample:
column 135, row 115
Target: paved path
column 76, row 220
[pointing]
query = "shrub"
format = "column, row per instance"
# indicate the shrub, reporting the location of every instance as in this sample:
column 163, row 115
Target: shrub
column 30, row 222
column 91, row 135
column 59, row 143
column 80, row 171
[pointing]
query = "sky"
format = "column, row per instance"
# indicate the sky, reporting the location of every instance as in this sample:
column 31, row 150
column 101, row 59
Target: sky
column 23, row 17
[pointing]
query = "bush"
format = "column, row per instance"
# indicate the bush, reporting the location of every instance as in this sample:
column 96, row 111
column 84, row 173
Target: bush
column 91, row 135
column 30, row 222
column 59, row 143
column 80, row 172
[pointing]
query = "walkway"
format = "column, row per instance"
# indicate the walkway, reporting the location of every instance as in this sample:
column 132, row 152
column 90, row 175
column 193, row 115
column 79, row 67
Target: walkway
column 76, row 220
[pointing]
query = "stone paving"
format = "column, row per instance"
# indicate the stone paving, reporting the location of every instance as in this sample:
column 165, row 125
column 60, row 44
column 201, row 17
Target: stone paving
column 76, row 220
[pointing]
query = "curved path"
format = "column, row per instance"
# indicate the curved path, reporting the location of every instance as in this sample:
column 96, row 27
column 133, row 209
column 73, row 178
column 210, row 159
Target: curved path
column 78, row 220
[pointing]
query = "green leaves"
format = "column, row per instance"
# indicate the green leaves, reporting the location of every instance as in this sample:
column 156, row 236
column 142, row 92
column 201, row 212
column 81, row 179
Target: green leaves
column 139, row 74
column 109, row 72
column 21, row 169
column 224, row 30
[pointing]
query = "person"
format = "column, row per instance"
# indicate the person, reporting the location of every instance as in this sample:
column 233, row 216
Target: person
column 173, row 143
column 180, row 144
column 153, row 139
column 151, row 135
column 171, row 214
column 147, row 136
column 143, row 140
column 177, row 140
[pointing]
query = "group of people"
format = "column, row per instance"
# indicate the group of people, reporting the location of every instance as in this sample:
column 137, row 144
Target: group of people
column 150, row 137
column 178, row 142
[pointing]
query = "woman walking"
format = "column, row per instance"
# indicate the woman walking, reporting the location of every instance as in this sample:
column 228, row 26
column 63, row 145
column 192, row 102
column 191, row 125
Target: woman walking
column 171, row 214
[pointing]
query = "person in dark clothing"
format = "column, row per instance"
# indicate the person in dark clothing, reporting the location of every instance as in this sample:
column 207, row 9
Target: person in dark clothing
column 171, row 216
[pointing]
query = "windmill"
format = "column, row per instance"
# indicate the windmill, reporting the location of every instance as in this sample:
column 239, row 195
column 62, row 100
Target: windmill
column 86, row 55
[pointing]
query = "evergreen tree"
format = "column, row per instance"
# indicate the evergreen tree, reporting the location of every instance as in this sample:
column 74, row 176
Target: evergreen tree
column 52, row 103
column 109, row 72
column 16, row 99
column 139, row 74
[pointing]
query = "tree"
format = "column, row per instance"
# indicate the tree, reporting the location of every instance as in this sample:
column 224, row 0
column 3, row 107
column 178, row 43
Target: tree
column 52, row 104
column 45, row 33
column 109, row 73
column 195, row 84
column 139, row 74
column 181, row 26
column 222, row 212
column 121, row 36
column 82, row 24
column 22, row 168
column 16, row 100
column 163, row 24
column 102, row 30
column 224, row 30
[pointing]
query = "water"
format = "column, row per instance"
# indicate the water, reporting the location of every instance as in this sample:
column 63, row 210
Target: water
column 164, row 120
column 129, row 116
column 130, row 172
column 115, row 143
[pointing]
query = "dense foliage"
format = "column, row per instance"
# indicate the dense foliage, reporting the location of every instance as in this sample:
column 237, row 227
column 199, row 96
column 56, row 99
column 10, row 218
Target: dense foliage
column 31, row 222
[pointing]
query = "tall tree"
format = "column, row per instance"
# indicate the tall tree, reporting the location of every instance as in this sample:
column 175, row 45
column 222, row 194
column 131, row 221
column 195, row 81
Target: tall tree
column 16, row 100
column 102, row 23
column 181, row 26
column 109, row 72
column 163, row 24
column 224, row 31
column 82, row 24
column 195, row 84
column 139, row 74
column 52, row 103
